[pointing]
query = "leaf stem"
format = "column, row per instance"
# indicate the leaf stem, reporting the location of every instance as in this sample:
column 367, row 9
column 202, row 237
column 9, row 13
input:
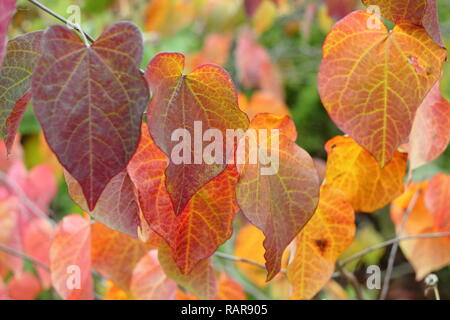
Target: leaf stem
column 237, row 259
column 23, row 256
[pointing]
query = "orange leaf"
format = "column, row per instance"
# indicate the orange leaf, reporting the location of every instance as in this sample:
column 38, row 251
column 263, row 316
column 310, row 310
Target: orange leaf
column 359, row 83
column 184, row 104
column 229, row 289
column 70, row 259
column 430, row 133
column 420, row 12
column 117, row 207
column 24, row 286
column 149, row 282
column 204, row 224
column 216, row 49
column 329, row 232
column 113, row 292
column 201, row 281
column 281, row 203
column 425, row 255
column 355, row 171
column 115, row 254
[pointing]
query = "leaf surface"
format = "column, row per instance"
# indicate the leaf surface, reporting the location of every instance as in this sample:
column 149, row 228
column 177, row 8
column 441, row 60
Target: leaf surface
column 117, row 207
column 149, row 281
column 70, row 259
column 7, row 9
column 201, row 281
column 115, row 254
column 90, row 101
column 204, row 224
column 420, row 12
column 430, row 133
column 329, row 232
column 207, row 96
column 281, row 203
column 15, row 81
column 359, row 81
column 355, row 172
column 437, row 200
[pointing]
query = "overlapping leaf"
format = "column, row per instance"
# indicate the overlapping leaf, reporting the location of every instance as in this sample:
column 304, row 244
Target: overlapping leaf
column 90, row 101
column 70, row 259
column 425, row 255
column 7, row 9
column 115, row 254
column 149, row 281
column 430, row 133
column 372, row 80
column 329, row 232
column 204, row 224
column 282, row 202
column 206, row 97
column 201, row 281
column 355, row 171
column 15, row 80
column 420, row 12
column 437, row 200
column 117, row 207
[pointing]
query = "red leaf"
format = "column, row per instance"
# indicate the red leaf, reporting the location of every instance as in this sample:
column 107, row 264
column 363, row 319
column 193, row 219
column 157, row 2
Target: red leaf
column 279, row 204
column 206, row 96
column 338, row 9
column 117, row 207
column 15, row 80
column 204, row 224
column 89, row 101
column 70, row 259
column 7, row 9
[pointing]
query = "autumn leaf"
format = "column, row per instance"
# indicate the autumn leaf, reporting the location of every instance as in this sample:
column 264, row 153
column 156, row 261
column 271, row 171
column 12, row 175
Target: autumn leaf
column 281, row 203
column 149, row 281
column 204, row 224
column 113, row 292
column 419, row 12
column 7, row 9
column 115, row 254
column 329, row 232
column 430, row 133
column 359, row 80
column 23, row 286
column 37, row 238
column 355, row 171
column 15, row 81
column 437, row 198
column 90, row 101
column 425, row 255
column 205, row 97
column 216, row 49
column 70, row 259
column 117, row 207
column 201, row 281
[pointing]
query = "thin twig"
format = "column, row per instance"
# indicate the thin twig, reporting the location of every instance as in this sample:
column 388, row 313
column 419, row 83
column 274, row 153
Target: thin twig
column 394, row 249
column 67, row 22
column 392, row 241
column 23, row 256
column 237, row 259
column 351, row 280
